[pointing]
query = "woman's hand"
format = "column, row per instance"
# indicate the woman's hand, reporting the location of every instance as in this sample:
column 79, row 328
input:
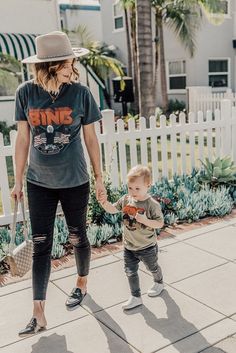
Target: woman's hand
column 17, row 193
column 101, row 193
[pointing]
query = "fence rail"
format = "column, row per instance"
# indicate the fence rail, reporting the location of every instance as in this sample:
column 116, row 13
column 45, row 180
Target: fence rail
column 169, row 146
column 203, row 99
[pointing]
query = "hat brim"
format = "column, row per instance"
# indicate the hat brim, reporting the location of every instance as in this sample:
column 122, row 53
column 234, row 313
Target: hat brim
column 77, row 52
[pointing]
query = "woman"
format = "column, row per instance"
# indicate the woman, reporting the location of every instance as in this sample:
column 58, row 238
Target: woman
column 53, row 107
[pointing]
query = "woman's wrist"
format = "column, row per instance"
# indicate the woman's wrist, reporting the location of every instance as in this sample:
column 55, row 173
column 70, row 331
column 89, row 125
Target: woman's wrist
column 98, row 176
column 18, row 182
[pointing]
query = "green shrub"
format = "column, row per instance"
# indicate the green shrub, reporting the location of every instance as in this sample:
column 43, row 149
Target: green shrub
column 176, row 106
column 5, row 130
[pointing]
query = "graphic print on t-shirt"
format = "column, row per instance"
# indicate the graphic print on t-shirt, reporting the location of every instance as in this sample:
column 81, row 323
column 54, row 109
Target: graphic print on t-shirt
column 51, row 129
column 129, row 213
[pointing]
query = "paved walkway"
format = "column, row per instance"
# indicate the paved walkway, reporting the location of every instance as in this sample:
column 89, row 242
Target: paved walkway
column 196, row 312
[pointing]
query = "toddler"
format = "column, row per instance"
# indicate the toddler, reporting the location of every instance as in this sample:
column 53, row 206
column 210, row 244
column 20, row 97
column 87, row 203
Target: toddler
column 142, row 215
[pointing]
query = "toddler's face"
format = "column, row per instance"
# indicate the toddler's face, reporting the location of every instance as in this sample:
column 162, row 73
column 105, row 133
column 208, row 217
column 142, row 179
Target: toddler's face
column 138, row 188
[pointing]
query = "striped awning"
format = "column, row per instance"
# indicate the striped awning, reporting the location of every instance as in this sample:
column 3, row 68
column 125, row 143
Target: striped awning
column 17, row 44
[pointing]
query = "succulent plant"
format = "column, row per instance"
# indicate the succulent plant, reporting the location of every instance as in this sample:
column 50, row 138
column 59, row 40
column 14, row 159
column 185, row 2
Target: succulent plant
column 112, row 219
column 170, row 218
column 99, row 235
column 57, row 251
column 221, row 171
column 220, row 202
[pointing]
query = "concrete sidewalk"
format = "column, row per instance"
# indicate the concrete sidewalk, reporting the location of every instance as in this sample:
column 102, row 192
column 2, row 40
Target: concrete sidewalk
column 196, row 312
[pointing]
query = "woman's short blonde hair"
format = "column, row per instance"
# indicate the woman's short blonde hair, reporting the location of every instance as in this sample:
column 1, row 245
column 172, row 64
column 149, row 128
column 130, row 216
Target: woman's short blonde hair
column 45, row 74
column 139, row 171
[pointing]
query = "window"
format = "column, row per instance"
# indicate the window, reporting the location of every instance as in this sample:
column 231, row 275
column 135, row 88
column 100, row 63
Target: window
column 218, row 72
column 118, row 16
column 177, row 75
column 224, row 8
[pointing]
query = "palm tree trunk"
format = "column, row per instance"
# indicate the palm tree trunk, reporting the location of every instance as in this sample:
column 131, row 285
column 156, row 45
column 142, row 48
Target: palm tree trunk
column 156, row 55
column 163, row 69
column 135, row 104
column 128, row 39
column 145, row 58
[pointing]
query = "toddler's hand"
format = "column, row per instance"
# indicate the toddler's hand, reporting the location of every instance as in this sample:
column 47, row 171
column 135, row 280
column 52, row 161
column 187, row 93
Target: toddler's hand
column 102, row 198
column 141, row 218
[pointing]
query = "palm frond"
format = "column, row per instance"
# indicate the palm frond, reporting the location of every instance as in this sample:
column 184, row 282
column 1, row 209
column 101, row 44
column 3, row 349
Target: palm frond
column 184, row 19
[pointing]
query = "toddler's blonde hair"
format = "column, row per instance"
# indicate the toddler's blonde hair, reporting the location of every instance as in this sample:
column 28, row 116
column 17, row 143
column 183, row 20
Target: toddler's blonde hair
column 139, row 171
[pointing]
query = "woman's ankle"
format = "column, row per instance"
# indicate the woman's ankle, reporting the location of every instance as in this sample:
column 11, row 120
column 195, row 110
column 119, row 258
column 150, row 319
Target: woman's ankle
column 82, row 283
column 38, row 312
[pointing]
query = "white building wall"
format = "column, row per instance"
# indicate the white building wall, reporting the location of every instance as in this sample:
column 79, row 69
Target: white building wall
column 89, row 18
column 29, row 16
column 111, row 36
column 82, row 12
column 211, row 42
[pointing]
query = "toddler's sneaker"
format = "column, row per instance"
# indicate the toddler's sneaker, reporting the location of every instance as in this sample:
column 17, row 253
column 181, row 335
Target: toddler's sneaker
column 156, row 289
column 132, row 302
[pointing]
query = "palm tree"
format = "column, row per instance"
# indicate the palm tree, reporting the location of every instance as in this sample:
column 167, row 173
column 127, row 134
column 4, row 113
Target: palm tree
column 145, row 58
column 10, row 74
column 100, row 58
column 184, row 18
column 130, row 27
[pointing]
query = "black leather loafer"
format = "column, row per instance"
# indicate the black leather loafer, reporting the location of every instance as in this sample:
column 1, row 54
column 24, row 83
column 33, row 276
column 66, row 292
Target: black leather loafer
column 32, row 328
column 75, row 298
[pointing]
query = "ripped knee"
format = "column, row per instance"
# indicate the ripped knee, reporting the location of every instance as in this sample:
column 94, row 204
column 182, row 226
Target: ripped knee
column 42, row 244
column 131, row 273
column 39, row 238
column 76, row 237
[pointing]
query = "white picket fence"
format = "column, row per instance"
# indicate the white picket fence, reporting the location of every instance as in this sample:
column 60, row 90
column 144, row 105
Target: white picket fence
column 203, row 99
column 167, row 146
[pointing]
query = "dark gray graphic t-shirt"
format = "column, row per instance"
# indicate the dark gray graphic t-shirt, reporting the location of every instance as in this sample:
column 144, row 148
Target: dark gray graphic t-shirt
column 56, row 153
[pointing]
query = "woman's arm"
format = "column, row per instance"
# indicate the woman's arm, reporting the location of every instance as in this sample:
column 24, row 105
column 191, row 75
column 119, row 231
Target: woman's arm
column 91, row 142
column 21, row 155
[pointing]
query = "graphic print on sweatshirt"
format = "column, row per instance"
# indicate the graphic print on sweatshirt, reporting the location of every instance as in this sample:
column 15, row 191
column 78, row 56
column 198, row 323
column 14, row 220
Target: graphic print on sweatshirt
column 51, row 129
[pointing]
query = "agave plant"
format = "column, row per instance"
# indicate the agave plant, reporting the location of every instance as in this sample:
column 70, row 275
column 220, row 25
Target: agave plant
column 221, row 171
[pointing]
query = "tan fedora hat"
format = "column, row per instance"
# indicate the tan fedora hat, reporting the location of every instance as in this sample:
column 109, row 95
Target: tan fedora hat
column 54, row 46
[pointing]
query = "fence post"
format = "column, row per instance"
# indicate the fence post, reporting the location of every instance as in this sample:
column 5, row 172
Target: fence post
column 108, row 124
column 4, row 185
column 226, row 116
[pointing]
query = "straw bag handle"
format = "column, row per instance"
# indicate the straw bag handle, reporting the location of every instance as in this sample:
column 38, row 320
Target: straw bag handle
column 13, row 229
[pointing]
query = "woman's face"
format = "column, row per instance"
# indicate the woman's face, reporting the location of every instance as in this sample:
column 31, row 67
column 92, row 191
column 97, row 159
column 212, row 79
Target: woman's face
column 64, row 74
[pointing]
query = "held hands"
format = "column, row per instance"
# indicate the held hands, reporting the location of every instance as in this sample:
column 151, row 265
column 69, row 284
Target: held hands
column 102, row 198
column 101, row 193
column 17, row 193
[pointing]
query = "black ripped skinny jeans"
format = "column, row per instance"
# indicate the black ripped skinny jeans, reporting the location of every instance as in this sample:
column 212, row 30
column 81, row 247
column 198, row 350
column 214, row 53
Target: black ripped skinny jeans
column 42, row 208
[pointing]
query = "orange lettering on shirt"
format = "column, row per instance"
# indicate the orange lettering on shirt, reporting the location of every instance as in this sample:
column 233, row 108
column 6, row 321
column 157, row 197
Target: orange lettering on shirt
column 34, row 117
column 43, row 117
column 52, row 117
column 65, row 117
column 48, row 116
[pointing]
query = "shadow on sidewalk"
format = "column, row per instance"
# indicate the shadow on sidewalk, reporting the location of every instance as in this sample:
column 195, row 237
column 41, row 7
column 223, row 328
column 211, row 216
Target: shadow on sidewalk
column 111, row 325
column 175, row 327
column 51, row 344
